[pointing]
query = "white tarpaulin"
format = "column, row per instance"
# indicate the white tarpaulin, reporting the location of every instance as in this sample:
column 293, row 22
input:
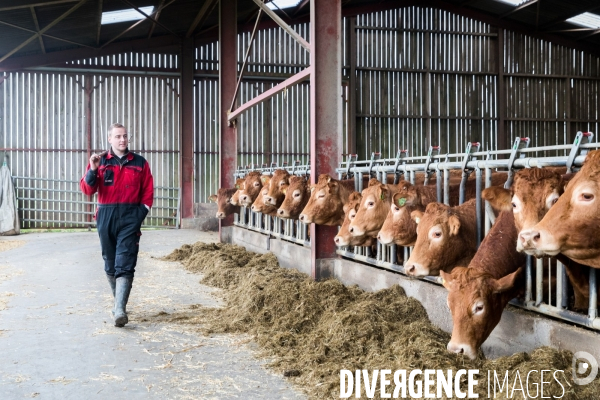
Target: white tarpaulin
column 9, row 217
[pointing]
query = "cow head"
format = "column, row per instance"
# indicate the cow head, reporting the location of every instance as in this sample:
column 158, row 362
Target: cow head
column 277, row 188
column 571, row 226
column 344, row 238
column 373, row 209
column 399, row 227
column 252, row 186
column 223, row 200
column 439, row 243
column 239, row 185
column 476, row 301
column 326, row 203
column 296, row 197
column 532, row 194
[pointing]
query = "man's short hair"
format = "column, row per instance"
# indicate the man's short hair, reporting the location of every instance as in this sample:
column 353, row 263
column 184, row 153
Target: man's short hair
column 115, row 125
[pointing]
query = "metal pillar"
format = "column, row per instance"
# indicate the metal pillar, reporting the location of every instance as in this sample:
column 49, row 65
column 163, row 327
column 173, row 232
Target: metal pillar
column 227, row 82
column 187, row 129
column 325, row 112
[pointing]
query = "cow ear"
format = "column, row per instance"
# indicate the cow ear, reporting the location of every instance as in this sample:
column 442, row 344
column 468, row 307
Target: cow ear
column 499, row 198
column 454, row 224
column 447, row 280
column 506, row 283
column 416, row 215
column 373, row 182
column 384, row 192
column 212, row 198
column 333, row 187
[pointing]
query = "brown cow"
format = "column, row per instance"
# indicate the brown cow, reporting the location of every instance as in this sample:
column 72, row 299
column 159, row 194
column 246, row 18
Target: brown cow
column 373, row 209
column 279, row 183
column 259, row 205
column 532, row 194
column 571, row 226
column 399, row 227
column 239, row 185
column 326, row 203
column 252, row 187
column 446, row 238
column 344, row 238
column 296, row 197
column 223, row 200
column 478, row 294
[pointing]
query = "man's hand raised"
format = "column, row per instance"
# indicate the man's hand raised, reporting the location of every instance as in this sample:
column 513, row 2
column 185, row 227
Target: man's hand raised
column 95, row 160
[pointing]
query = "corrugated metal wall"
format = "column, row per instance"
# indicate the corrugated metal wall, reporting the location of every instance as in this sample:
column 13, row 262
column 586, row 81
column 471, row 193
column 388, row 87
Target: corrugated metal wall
column 44, row 134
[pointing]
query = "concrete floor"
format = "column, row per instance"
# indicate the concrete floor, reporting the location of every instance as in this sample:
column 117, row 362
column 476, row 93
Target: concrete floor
column 57, row 339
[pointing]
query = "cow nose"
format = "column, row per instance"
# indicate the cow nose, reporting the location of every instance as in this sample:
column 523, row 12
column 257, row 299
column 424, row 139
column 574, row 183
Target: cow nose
column 453, row 348
column 351, row 229
column 243, row 198
column 535, row 236
column 268, row 200
column 253, row 208
column 220, row 215
column 410, row 268
column 379, row 237
column 337, row 240
column 524, row 237
column 301, row 217
column 280, row 212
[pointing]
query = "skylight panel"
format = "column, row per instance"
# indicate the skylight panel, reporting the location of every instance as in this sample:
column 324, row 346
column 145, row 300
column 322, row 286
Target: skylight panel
column 282, row 4
column 587, row 20
column 113, row 17
column 514, row 2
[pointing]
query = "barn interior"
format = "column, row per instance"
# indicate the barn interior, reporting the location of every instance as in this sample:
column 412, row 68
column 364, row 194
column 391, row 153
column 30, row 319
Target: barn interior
column 213, row 89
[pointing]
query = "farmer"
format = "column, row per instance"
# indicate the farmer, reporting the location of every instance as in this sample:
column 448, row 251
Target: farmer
column 125, row 186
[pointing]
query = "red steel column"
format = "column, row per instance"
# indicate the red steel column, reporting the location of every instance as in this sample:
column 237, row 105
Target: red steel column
column 227, row 82
column 325, row 112
column 187, row 128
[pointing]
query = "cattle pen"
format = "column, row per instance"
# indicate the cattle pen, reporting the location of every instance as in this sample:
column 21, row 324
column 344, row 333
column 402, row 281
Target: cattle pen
column 235, row 101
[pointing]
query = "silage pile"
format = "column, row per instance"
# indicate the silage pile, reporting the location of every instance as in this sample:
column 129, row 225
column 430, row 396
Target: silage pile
column 314, row 329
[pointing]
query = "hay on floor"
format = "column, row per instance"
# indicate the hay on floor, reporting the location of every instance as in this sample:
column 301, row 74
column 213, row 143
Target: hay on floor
column 312, row 330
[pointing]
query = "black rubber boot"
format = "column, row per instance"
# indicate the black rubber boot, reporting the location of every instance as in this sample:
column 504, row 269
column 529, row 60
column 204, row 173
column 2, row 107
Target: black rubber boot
column 123, row 288
column 112, row 282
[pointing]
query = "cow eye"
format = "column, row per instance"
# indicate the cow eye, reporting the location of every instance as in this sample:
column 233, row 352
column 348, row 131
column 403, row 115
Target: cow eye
column 371, row 204
column 554, row 201
column 321, row 196
column 256, row 184
column 228, row 200
column 296, row 194
column 587, row 196
column 437, row 234
column 396, row 209
column 514, row 205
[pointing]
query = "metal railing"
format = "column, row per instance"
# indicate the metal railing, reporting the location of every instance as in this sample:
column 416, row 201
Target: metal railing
column 519, row 156
column 285, row 229
column 59, row 203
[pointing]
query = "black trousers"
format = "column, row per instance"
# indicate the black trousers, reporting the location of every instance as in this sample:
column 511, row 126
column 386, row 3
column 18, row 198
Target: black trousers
column 119, row 230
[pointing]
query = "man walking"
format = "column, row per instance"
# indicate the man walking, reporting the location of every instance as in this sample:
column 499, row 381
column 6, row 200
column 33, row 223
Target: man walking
column 125, row 192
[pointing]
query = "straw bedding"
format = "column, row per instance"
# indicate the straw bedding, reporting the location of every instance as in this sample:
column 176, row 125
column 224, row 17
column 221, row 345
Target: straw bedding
column 311, row 330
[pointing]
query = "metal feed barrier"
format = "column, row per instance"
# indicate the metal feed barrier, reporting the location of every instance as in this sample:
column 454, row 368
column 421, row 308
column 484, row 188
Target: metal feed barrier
column 471, row 161
column 285, row 229
column 519, row 156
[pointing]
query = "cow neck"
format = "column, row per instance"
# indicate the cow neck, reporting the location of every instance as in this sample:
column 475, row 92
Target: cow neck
column 497, row 255
column 346, row 188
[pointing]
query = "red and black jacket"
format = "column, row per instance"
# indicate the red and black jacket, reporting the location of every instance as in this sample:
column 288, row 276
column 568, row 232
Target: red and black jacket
column 128, row 181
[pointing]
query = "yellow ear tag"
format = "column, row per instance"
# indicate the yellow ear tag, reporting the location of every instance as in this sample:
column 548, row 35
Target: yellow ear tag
column 284, row 191
column 263, row 180
column 382, row 196
column 401, row 202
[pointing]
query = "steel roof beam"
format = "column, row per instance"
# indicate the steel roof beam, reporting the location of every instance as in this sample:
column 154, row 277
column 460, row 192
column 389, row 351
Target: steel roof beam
column 519, row 7
column 160, row 7
column 37, row 28
column 50, row 25
column 44, row 34
column 48, row 3
column 150, row 18
column 99, row 22
column 283, row 25
column 205, row 10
